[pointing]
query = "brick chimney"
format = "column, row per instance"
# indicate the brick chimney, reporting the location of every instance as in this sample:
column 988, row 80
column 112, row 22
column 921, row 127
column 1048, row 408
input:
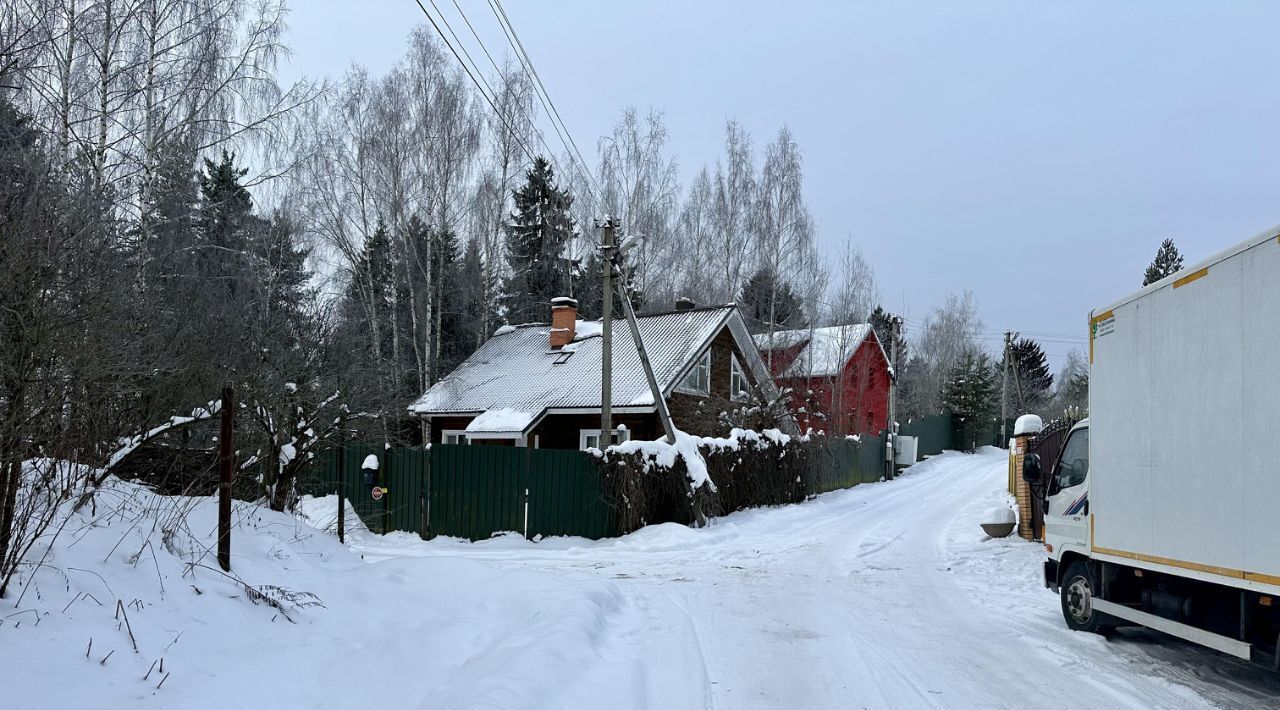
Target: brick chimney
column 564, row 320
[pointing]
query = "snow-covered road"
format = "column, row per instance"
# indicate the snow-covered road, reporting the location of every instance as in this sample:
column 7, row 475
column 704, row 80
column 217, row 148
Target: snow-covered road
column 883, row 596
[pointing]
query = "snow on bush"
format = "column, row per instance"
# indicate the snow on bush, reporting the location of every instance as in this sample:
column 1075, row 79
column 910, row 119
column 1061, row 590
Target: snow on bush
column 654, row 482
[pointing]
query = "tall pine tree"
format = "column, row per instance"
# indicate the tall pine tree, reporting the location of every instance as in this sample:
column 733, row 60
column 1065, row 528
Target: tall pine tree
column 1168, row 261
column 1034, row 377
column 537, row 239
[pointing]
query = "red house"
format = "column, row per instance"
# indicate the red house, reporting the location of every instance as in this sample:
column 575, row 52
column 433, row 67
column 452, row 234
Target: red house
column 838, row 377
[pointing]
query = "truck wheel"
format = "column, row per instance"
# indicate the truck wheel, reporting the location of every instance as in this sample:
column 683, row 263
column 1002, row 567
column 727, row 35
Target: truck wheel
column 1077, row 591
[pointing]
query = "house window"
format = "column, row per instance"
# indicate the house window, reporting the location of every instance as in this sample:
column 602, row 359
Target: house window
column 590, row 438
column 453, row 436
column 698, row 381
column 739, row 385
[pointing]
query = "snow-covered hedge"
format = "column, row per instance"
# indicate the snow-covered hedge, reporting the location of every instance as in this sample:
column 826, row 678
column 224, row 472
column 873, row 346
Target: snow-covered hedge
column 649, row 482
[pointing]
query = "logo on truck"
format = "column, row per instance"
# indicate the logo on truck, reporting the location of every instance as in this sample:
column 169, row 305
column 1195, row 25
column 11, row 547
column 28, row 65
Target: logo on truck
column 1105, row 326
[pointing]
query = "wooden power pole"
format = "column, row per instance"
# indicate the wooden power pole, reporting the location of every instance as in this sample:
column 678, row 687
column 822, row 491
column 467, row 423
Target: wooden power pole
column 659, row 402
column 1004, row 391
column 226, row 466
column 606, row 333
column 895, row 334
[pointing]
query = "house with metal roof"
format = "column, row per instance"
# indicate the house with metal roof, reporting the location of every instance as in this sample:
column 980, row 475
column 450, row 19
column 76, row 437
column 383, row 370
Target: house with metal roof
column 538, row 385
column 838, row 377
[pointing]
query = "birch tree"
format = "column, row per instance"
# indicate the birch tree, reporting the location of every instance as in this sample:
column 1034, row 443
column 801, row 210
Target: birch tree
column 640, row 189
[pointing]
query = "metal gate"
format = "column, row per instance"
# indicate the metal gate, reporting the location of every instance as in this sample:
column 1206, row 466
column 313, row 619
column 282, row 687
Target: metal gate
column 471, row 492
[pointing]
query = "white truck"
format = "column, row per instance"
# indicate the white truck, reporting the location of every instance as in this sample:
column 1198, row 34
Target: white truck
column 1164, row 507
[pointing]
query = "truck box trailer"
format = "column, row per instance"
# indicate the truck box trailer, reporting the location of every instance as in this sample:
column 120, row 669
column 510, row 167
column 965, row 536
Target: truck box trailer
column 1162, row 510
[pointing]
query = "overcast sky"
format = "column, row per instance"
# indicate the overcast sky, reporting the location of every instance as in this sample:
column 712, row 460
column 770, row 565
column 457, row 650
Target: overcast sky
column 1034, row 153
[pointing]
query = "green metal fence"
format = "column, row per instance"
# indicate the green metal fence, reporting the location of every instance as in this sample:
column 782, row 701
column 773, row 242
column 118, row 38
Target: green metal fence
column 935, row 433
column 471, row 491
column 842, row 463
column 474, row 492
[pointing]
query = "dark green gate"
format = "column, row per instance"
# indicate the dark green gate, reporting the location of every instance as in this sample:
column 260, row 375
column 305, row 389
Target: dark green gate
column 472, row 491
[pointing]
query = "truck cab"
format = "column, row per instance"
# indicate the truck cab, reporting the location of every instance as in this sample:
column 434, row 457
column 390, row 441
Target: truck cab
column 1066, row 502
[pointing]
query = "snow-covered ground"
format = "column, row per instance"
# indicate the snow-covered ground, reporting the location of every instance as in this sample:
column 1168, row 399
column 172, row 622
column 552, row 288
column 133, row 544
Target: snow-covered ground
column 884, row 596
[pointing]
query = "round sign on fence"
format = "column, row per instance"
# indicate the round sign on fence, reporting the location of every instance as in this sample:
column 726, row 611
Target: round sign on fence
column 377, row 492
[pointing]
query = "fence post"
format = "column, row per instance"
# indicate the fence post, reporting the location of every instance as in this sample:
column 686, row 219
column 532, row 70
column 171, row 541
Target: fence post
column 426, row 490
column 226, row 466
column 526, row 513
column 385, row 476
column 342, row 492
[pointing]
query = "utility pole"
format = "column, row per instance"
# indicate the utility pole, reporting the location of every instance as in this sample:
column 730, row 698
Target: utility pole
column 1017, row 384
column 659, row 402
column 606, row 333
column 226, row 465
column 895, row 333
column 1004, row 390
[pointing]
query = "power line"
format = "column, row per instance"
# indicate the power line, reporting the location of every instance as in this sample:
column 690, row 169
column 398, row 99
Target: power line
column 537, row 131
column 478, row 82
column 540, row 89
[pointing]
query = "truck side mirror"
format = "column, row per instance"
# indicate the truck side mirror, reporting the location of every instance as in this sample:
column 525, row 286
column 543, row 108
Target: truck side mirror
column 1031, row 471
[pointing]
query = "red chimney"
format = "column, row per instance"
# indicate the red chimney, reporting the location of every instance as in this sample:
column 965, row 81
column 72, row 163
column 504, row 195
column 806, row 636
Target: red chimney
column 564, row 321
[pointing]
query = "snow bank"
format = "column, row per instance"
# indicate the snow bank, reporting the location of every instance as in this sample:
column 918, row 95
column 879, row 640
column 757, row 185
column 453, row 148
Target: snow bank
column 322, row 514
column 439, row 633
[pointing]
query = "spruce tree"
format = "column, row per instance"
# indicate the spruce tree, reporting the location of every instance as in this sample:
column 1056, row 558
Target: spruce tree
column 755, row 303
column 590, row 287
column 282, row 265
column 225, row 204
column 1168, row 261
column 1033, row 373
column 882, row 323
column 471, row 305
column 537, row 239
column 969, row 393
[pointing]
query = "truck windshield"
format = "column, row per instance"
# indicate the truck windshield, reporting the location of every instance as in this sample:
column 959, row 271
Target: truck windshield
column 1074, row 464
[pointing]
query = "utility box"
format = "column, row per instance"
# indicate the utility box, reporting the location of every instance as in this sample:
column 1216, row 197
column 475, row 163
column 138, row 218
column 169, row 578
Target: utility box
column 905, row 452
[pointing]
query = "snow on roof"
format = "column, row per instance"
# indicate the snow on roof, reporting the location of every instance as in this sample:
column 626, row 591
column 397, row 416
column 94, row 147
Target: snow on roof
column 501, row 420
column 825, row 350
column 515, row 376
